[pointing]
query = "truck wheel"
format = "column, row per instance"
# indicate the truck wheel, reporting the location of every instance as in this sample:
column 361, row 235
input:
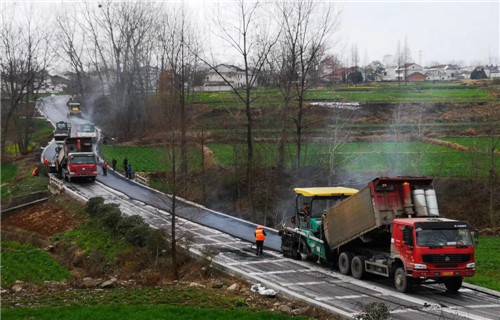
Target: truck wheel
column 401, row 282
column 453, row 284
column 345, row 263
column 358, row 267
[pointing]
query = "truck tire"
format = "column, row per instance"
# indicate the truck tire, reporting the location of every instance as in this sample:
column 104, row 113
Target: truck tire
column 402, row 283
column 358, row 267
column 453, row 284
column 345, row 263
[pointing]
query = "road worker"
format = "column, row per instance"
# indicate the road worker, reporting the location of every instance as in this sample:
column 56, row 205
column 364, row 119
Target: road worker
column 113, row 164
column 260, row 237
column 104, row 168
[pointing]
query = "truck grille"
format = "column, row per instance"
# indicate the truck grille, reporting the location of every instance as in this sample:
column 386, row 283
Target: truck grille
column 445, row 259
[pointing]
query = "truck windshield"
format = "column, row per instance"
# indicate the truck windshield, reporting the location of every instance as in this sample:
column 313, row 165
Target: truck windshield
column 443, row 237
column 62, row 125
column 87, row 128
column 83, row 159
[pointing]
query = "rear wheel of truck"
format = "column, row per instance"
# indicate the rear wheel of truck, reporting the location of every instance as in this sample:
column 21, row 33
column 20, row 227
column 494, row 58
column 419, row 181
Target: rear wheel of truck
column 358, row 267
column 345, row 263
column 402, row 283
column 453, row 284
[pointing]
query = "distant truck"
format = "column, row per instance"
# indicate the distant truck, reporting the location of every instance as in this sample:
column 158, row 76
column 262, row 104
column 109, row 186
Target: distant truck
column 86, row 130
column 76, row 159
column 391, row 228
column 62, row 131
column 74, row 107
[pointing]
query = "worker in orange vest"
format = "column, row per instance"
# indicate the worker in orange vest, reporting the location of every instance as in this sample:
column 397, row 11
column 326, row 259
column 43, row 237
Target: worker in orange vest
column 260, row 237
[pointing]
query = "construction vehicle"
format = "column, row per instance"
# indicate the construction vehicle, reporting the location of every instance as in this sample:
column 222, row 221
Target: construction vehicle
column 390, row 228
column 86, row 130
column 74, row 108
column 62, row 131
column 76, row 159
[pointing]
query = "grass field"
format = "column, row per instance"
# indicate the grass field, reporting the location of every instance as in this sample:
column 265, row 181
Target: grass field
column 26, row 263
column 19, row 181
column 356, row 157
column 146, row 159
column 138, row 312
column 487, row 262
column 373, row 93
column 478, row 143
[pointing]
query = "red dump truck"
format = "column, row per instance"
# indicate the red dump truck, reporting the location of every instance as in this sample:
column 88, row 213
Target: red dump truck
column 390, row 228
column 76, row 159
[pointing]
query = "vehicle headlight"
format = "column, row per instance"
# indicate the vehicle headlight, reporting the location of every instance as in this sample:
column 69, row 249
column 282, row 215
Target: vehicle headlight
column 471, row 265
column 420, row 266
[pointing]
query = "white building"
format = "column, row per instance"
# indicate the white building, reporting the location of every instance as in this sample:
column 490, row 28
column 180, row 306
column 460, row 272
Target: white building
column 407, row 69
column 217, row 80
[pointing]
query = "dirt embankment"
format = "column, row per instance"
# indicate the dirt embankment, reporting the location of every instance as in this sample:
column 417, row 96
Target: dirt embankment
column 131, row 275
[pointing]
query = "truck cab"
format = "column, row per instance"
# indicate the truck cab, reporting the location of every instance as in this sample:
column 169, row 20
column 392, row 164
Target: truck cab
column 431, row 248
column 76, row 159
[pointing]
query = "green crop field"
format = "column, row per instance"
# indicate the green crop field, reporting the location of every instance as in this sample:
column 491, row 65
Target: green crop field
column 146, row 159
column 372, row 93
column 483, row 144
column 357, row 157
column 26, row 263
column 487, row 262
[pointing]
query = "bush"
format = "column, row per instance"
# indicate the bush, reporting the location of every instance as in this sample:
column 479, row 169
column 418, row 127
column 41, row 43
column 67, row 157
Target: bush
column 94, row 205
column 111, row 217
column 129, row 222
column 138, row 235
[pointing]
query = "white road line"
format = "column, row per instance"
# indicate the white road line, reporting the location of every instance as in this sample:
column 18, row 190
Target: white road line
column 275, row 272
column 257, row 262
column 353, row 296
column 310, row 283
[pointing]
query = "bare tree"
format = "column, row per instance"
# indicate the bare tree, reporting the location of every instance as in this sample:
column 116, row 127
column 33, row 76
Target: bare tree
column 71, row 42
column 406, row 57
column 307, row 27
column 252, row 41
column 25, row 56
column 179, row 50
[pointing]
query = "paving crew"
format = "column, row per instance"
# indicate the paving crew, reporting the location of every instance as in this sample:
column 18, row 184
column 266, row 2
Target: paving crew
column 125, row 166
column 104, row 168
column 260, row 237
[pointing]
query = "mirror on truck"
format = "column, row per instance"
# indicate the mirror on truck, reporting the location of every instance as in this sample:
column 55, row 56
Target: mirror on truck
column 408, row 236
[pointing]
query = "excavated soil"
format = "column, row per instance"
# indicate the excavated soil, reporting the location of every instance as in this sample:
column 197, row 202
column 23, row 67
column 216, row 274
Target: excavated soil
column 45, row 219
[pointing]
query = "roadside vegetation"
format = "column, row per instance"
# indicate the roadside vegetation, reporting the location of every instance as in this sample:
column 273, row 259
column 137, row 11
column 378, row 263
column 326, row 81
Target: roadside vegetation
column 17, row 179
column 487, row 262
column 29, row 264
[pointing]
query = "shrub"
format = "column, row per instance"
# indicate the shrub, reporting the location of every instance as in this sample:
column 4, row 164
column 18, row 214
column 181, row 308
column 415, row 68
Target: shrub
column 129, row 222
column 111, row 217
column 94, row 205
column 138, row 235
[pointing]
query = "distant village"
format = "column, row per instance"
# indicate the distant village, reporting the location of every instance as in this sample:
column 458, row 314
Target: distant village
column 328, row 72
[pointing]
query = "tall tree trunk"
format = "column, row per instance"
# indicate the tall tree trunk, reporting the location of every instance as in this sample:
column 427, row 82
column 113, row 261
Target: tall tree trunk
column 173, row 215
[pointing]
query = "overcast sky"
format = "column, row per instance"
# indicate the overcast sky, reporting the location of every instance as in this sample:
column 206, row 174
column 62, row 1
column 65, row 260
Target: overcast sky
column 441, row 31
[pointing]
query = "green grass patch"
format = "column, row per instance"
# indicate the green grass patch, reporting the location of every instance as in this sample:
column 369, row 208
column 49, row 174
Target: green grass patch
column 91, row 238
column 148, row 159
column 139, row 312
column 483, row 144
column 9, row 172
column 26, row 263
column 487, row 262
column 20, row 182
